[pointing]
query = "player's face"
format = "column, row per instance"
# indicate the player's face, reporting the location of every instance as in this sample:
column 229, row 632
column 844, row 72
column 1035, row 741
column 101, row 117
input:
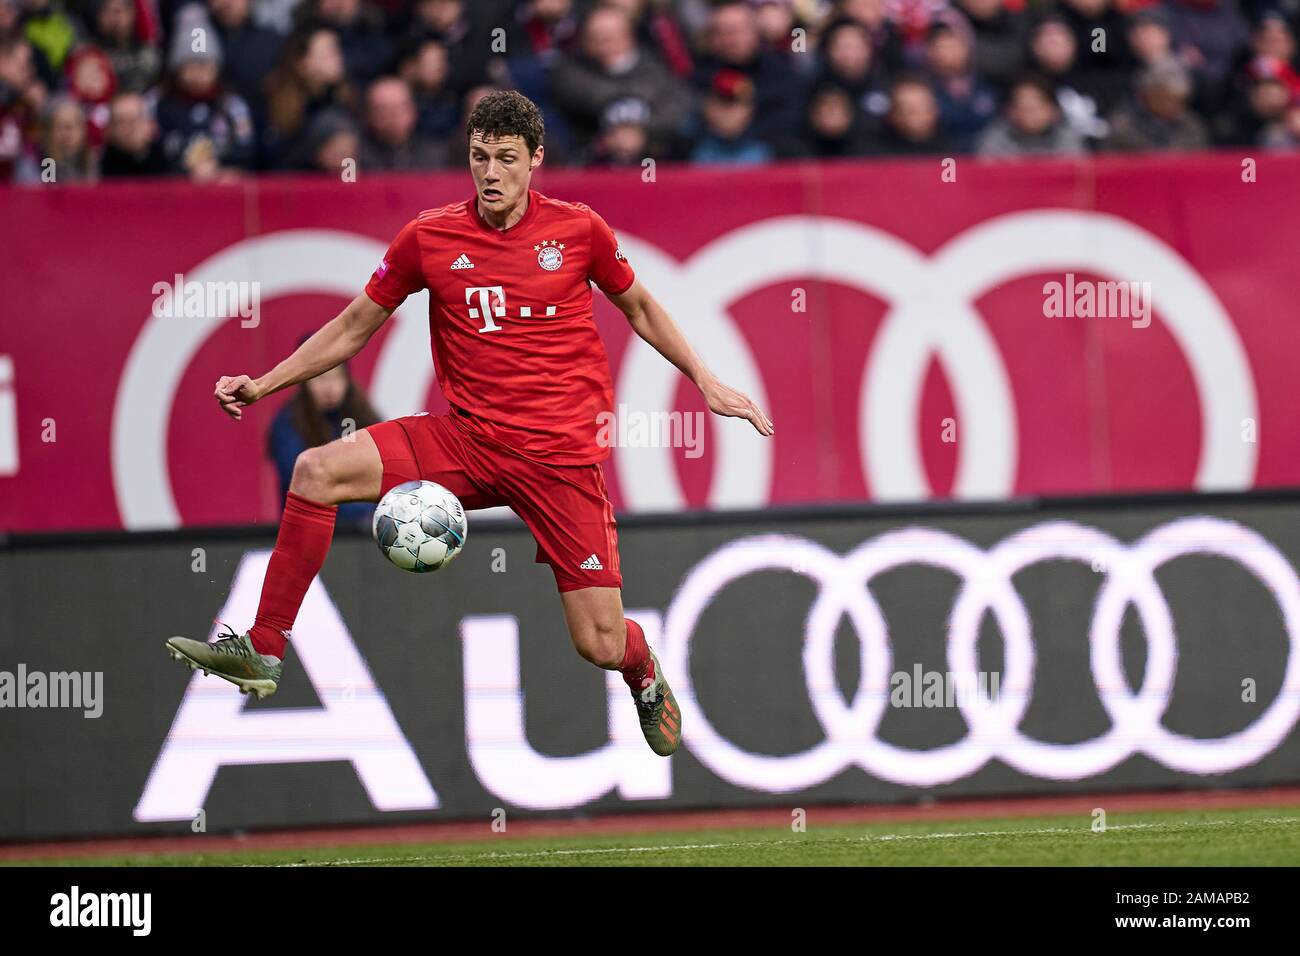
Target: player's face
column 502, row 168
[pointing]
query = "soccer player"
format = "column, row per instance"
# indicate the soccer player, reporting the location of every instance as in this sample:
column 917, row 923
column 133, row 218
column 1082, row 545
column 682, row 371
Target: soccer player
column 519, row 360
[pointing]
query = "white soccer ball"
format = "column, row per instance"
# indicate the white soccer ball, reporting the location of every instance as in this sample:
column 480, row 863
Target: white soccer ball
column 420, row 526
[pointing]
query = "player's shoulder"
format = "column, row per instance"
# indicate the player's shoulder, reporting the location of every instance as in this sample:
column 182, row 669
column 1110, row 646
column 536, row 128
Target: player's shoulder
column 563, row 208
column 442, row 215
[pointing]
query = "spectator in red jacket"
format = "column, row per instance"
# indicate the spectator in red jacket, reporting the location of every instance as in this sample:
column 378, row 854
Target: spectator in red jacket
column 1264, row 94
column 89, row 76
column 1273, row 49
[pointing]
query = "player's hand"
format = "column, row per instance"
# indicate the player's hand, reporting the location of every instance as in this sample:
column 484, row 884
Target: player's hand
column 233, row 392
column 730, row 403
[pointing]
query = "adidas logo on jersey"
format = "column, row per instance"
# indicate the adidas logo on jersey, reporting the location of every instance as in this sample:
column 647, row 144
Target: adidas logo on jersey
column 592, row 564
column 462, row 262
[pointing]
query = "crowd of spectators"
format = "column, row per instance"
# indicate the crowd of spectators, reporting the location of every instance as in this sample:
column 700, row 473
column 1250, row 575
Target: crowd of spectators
column 214, row 90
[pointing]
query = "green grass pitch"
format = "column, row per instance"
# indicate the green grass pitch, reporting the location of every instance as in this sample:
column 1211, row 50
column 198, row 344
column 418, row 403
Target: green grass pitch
column 1252, row 837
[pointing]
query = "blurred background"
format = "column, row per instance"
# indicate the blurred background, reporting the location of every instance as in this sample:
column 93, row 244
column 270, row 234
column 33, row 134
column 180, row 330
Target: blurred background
column 117, row 88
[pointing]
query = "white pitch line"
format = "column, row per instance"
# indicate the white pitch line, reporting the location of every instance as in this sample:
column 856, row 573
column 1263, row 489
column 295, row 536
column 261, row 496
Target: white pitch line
column 880, row 838
column 583, row 851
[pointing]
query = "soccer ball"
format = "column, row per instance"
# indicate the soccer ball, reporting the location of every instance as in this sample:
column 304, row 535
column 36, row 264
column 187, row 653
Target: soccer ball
column 420, row 526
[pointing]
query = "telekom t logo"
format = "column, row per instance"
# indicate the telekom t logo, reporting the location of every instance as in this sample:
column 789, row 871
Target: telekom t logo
column 488, row 306
column 492, row 305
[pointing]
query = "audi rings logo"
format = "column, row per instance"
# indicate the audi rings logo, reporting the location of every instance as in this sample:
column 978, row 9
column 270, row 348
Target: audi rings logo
column 213, row 728
column 931, row 316
column 986, row 586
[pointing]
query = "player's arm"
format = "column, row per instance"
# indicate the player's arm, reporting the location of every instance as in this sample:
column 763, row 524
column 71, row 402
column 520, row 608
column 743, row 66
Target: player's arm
column 336, row 342
column 656, row 327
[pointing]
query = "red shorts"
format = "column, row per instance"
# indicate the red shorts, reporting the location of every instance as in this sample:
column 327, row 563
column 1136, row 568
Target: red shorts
column 566, row 507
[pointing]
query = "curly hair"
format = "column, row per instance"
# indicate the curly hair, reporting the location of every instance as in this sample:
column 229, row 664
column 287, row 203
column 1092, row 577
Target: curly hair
column 507, row 113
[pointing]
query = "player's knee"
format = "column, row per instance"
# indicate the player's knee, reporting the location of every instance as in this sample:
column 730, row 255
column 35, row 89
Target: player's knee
column 312, row 476
column 601, row 642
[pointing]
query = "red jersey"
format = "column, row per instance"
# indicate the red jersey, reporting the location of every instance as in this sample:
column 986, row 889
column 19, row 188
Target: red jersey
column 510, row 320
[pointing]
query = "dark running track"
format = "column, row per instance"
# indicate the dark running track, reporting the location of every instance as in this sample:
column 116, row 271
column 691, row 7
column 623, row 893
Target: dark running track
column 678, row 821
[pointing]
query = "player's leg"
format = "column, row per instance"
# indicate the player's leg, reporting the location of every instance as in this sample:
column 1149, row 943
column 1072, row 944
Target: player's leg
column 323, row 478
column 602, row 635
column 349, row 469
column 569, row 513
column 597, row 626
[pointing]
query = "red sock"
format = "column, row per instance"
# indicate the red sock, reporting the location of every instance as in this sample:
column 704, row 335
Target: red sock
column 300, row 548
column 637, row 667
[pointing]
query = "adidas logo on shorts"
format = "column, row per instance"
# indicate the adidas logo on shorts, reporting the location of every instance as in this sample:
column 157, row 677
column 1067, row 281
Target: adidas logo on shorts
column 462, row 262
column 592, row 564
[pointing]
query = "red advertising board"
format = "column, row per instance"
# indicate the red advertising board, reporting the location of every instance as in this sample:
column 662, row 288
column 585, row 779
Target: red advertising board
column 1106, row 326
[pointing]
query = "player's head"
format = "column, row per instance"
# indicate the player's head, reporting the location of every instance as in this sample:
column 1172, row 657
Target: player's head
column 505, row 133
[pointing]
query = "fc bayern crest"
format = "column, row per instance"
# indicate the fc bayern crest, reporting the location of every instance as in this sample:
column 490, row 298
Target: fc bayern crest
column 550, row 254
